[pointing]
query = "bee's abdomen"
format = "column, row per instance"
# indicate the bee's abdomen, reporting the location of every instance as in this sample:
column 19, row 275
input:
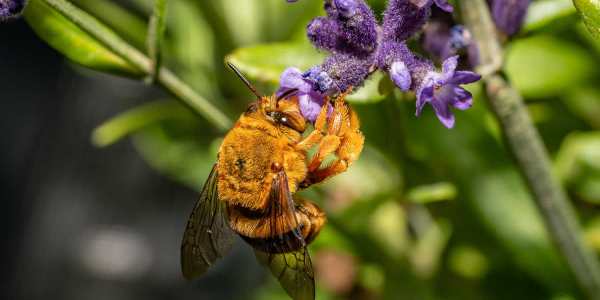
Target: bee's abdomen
column 278, row 234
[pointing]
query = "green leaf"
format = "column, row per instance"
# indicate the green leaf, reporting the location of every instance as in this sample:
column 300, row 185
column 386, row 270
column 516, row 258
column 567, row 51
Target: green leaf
column 266, row 62
column 436, row 192
column 124, row 22
column 542, row 13
column 468, row 262
column 584, row 102
column 590, row 12
column 544, row 66
column 133, row 120
column 176, row 150
column 74, row 43
column 578, row 164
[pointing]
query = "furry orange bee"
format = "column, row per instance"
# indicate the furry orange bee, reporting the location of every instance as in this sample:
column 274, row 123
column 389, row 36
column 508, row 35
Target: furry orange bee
column 261, row 163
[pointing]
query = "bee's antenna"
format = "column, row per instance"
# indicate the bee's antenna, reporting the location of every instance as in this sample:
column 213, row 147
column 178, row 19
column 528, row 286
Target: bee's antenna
column 244, row 80
column 287, row 94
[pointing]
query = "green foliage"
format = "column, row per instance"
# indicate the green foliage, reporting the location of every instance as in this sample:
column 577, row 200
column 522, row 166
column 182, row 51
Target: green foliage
column 590, row 12
column 266, row 62
column 543, row 66
column 578, row 164
column 74, row 43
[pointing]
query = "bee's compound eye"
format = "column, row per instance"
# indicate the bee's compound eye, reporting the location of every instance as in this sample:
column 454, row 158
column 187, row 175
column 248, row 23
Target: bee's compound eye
column 283, row 120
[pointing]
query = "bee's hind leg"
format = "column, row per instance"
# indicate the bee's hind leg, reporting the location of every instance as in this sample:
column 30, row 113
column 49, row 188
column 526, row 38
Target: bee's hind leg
column 310, row 218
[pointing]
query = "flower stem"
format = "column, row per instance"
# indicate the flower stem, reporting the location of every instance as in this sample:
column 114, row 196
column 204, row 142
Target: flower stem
column 156, row 31
column 532, row 159
column 165, row 78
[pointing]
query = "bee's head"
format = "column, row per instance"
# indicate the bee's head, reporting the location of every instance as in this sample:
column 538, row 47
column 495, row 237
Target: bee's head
column 286, row 112
column 280, row 110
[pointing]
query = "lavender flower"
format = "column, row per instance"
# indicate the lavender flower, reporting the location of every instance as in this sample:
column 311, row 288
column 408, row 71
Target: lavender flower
column 347, row 71
column 509, row 14
column 359, row 47
column 10, row 9
column 350, row 27
column 442, row 91
column 310, row 99
column 403, row 18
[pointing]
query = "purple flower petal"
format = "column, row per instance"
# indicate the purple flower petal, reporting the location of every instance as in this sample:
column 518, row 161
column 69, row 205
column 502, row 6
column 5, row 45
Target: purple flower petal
column 400, row 75
column 448, row 67
column 424, row 95
column 292, row 78
column 308, row 107
column 463, row 99
column 464, row 77
column 443, row 113
column 444, row 5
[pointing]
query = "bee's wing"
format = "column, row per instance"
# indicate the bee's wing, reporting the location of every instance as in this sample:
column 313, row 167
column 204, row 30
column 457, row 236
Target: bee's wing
column 207, row 236
column 293, row 268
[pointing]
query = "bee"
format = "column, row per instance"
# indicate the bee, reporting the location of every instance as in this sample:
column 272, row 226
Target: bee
column 262, row 162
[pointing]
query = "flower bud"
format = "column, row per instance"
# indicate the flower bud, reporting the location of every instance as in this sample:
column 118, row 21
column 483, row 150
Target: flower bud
column 509, row 15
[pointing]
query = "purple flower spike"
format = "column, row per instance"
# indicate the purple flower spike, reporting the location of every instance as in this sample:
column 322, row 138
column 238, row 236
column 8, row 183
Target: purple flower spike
column 309, row 99
column 350, row 27
column 403, row 18
column 325, row 34
column 10, row 9
column 509, row 14
column 347, row 71
column 442, row 91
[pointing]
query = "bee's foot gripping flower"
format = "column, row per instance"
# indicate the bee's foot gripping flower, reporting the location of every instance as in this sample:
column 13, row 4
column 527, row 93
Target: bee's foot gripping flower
column 10, row 9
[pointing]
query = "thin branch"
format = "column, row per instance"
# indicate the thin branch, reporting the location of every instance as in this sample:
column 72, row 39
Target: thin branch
column 532, row 159
column 166, row 78
column 156, row 31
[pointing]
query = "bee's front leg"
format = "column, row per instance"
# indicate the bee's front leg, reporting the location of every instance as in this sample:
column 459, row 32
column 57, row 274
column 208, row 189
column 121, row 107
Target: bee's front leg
column 343, row 138
column 316, row 135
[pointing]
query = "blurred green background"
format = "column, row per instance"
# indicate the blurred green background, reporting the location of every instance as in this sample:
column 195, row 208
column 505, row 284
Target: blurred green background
column 426, row 213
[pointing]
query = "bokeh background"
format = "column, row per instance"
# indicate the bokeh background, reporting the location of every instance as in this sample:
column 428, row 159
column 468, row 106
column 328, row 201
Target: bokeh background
column 426, row 213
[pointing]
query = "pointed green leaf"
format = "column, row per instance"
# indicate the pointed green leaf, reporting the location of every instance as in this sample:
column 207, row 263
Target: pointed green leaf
column 135, row 119
column 590, row 12
column 265, row 62
column 74, row 43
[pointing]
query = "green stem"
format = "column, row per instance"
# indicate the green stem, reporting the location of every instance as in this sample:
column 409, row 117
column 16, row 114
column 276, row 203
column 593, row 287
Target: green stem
column 156, row 31
column 528, row 149
column 166, row 78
